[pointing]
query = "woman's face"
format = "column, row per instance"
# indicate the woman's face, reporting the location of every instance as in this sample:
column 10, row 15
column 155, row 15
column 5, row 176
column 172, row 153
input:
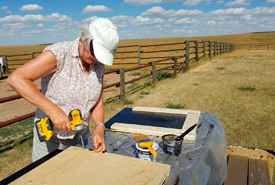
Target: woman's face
column 88, row 54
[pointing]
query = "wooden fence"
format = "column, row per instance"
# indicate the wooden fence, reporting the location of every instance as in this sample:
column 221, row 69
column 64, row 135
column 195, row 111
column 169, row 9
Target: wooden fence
column 176, row 59
column 256, row 46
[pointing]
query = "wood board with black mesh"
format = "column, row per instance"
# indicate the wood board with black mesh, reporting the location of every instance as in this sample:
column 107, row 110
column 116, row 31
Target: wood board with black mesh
column 166, row 120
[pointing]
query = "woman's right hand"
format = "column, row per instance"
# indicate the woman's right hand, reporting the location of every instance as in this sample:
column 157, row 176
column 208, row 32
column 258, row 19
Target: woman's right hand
column 60, row 120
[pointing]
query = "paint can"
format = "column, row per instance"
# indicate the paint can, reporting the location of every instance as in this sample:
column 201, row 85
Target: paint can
column 144, row 153
column 171, row 146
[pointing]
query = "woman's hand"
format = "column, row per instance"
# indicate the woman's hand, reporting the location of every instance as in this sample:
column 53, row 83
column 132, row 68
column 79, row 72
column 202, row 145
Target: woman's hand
column 99, row 140
column 60, row 119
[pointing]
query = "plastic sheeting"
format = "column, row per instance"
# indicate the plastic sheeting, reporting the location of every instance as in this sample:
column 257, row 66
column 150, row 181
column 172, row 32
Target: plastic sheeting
column 200, row 162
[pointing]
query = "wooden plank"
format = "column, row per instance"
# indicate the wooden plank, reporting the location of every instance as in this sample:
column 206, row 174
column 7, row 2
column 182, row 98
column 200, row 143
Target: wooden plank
column 237, row 170
column 150, row 130
column 192, row 117
column 165, row 110
column 81, row 166
column 254, row 154
column 258, row 172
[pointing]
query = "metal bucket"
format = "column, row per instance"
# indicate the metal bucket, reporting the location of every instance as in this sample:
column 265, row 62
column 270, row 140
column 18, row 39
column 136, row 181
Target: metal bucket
column 171, row 146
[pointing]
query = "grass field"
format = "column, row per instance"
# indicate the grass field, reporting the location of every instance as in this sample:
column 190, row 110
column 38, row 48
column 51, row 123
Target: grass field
column 239, row 87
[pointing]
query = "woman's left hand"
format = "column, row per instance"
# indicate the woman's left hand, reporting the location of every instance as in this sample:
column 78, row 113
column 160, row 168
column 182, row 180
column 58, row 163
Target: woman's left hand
column 98, row 138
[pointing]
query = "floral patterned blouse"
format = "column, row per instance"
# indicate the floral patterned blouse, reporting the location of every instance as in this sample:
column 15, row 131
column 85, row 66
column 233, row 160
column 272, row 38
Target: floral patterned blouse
column 70, row 87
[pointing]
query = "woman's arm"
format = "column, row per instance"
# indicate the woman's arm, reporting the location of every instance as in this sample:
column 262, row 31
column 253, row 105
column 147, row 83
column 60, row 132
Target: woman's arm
column 21, row 80
column 98, row 117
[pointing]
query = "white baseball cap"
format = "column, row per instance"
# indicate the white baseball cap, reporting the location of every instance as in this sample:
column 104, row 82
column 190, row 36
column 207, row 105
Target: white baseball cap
column 105, row 40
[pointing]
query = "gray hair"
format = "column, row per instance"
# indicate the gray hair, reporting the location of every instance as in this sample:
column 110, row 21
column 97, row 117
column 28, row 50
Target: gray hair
column 86, row 35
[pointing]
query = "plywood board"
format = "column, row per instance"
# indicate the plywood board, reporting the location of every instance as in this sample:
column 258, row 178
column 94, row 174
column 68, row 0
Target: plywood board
column 81, row 166
column 192, row 117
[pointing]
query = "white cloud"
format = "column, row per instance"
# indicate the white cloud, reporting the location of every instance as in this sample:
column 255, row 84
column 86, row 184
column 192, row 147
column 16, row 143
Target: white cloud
column 186, row 21
column 31, row 8
column 96, row 9
column 220, row 2
column 15, row 26
column 56, row 17
column 270, row 1
column 123, row 21
column 143, row 2
column 4, row 7
column 40, row 25
column 247, row 17
column 172, row 19
column 11, row 19
column 230, row 11
column 237, row 3
column 211, row 22
column 31, row 18
column 178, row 30
column 139, row 20
column 192, row 2
column 159, row 11
column 263, row 11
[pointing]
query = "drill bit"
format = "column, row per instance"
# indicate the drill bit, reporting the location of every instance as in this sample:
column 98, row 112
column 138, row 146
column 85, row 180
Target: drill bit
column 82, row 142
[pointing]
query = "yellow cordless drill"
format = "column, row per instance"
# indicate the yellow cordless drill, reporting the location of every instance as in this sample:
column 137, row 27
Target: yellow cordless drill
column 44, row 126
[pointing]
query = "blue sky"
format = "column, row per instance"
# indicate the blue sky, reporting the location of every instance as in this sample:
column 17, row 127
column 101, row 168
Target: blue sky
column 27, row 22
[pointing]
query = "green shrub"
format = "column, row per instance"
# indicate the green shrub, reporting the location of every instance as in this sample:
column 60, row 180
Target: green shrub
column 247, row 88
column 144, row 92
column 174, row 106
column 161, row 75
column 133, row 85
column 128, row 102
column 135, row 74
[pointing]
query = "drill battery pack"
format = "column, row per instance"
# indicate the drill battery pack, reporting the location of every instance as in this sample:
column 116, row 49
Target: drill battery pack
column 44, row 128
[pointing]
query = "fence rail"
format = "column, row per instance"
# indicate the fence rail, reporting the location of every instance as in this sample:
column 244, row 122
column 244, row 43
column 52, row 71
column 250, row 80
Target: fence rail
column 176, row 59
column 256, row 46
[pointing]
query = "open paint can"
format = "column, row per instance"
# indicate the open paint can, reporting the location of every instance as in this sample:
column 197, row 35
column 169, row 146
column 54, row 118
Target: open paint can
column 144, row 153
column 170, row 145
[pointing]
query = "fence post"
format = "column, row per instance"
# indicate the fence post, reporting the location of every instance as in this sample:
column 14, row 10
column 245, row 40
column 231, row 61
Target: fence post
column 220, row 48
column 214, row 48
column 175, row 66
column 122, row 84
column 154, row 73
column 197, row 50
column 32, row 55
column 186, row 55
column 204, row 49
column 210, row 52
column 139, row 55
column 5, row 64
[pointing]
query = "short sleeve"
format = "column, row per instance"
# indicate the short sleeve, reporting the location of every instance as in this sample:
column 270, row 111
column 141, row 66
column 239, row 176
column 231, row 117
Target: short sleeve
column 59, row 50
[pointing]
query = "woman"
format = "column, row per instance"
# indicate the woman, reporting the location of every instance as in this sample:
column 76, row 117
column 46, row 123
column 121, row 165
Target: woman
column 72, row 75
